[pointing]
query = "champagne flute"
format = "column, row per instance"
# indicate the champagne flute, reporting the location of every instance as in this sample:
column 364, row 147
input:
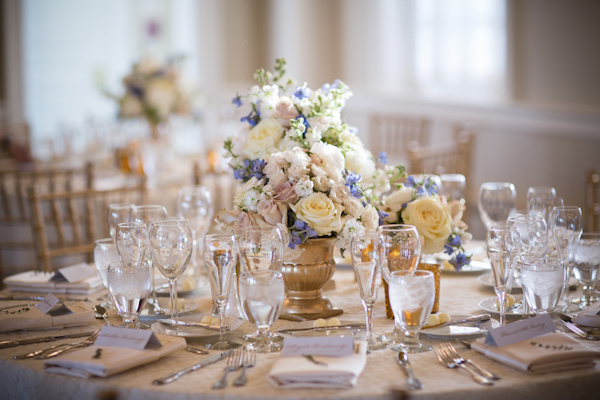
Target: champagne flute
column 262, row 293
column 502, row 250
column 148, row 214
column 220, row 258
column 566, row 224
column 411, row 296
column 171, row 244
column 116, row 214
column 586, row 267
column 495, row 202
column 129, row 285
column 366, row 261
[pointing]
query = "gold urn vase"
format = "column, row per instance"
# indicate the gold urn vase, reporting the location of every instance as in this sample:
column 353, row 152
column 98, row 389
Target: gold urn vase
column 305, row 276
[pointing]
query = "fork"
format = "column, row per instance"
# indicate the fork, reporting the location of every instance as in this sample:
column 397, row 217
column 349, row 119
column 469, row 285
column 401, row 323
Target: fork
column 249, row 359
column 575, row 329
column 234, row 362
column 445, row 359
column 458, row 359
column 54, row 352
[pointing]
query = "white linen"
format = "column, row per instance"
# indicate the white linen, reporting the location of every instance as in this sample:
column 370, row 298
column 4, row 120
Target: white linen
column 338, row 373
column 37, row 281
column 30, row 317
column 589, row 316
column 112, row 360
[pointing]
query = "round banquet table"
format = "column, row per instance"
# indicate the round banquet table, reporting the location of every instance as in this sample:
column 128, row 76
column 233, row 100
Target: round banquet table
column 382, row 378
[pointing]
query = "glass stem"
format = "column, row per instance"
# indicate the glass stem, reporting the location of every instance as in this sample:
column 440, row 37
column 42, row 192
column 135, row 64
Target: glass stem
column 222, row 321
column 565, row 294
column 502, row 300
column 368, row 315
column 173, row 285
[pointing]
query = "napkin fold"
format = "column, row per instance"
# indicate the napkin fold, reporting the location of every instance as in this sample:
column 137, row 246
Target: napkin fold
column 552, row 352
column 105, row 361
column 589, row 316
column 29, row 317
column 48, row 282
column 337, row 373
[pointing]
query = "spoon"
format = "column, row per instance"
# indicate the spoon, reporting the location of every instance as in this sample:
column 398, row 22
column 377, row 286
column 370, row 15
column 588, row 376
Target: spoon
column 196, row 351
column 101, row 313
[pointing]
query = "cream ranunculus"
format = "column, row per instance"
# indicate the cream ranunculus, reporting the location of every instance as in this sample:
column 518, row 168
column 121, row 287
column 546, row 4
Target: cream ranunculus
column 320, row 213
column 262, row 140
column 432, row 221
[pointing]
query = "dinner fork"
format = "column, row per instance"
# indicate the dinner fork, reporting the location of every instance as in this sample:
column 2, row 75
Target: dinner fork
column 249, row 359
column 448, row 362
column 458, row 359
column 575, row 329
column 234, row 362
column 54, row 352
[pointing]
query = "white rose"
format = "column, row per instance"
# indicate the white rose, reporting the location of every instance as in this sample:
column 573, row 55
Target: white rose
column 394, row 201
column 322, row 183
column 331, row 157
column 339, row 192
column 353, row 207
column 248, row 196
column 432, row 220
column 273, row 212
column 370, row 218
column 360, row 161
column 262, row 140
column 320, row 213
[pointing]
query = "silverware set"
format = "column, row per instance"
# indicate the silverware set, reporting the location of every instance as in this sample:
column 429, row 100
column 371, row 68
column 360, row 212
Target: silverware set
column 571, row 327
column 53, row 351
column 449, row 358
column 237, row 359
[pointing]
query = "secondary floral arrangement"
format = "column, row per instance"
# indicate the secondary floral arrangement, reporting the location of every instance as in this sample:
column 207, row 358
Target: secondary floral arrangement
column 302, row 168
column 153, row 91
column 438, row 221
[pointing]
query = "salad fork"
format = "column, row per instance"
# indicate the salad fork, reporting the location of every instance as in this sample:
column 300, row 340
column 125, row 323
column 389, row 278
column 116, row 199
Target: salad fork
column 234, row 362
column 458, row 359
column 54, row 352
column 575, row 329
column 447, row 361
column 249, row 359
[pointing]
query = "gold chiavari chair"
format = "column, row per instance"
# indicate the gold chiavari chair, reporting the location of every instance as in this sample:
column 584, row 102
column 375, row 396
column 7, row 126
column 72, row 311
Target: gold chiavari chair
column 395, row 134
column 592, row 202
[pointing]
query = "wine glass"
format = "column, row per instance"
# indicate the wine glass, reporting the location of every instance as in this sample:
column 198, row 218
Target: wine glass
column 116, row 214
column 366, row 261
column 105, row 253
column 401, row 250
column 148, row 214
column 540, row 192
column 131, row 239
column 262, row 293
column 566, row 224
column 587, row 266
column 453, row 186
column 541, row 206
column 194, row 204
column 220, row 259
column 411, row 296
column 495, row 202
column 542, row 284
column 129, row 285
column 502, row 250
column 171, row 244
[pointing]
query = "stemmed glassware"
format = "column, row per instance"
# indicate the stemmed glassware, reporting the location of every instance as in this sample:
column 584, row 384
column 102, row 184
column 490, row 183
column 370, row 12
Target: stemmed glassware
column 411, row 296
column 194, row 204
column 586, row 267
column 220, row 259
column 540, row 192
column 502, row 249
column 261, row 294
column 116, row 214
column 566, row 224
column 129, row 285
column 495, row 202
column 171, row 244
column 453, row 186
column 131, row 239
column 542, row 284
column 105, row 253
column 366, row 261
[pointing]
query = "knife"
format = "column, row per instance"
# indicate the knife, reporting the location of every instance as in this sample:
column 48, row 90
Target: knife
column 474, row 318
column 12, row 343
column 173, row 377
column 324, row 328
column 413, row 382
column 40, row 298
column 190, row 323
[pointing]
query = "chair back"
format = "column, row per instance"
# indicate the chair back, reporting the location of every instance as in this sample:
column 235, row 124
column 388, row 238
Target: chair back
column 592, row 201
column 395, row 134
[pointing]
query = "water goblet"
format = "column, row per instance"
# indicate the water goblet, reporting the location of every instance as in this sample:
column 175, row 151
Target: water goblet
column 586, row 267
column 502, row 250
column 411, row 296
column 105, row 252
column 171, row 245
column 116, row 214
column 131, row 239
column 366, row 261
column 220, row 259
column 540, row 192
column 566, row 224
column 542, row 284
column 261, row 294
column 542, row 206
column 129, row 285
column 495, row 202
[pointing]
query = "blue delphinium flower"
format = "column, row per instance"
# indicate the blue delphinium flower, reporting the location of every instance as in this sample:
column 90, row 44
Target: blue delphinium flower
column 382, row 158
column 352, row 180
column 410, row 181
column 460, row 261
column 237, row 100
column 302, row 92
column 301, row 232
column 251, row 118
column 256, row 168
column 382, row 215
column 305, row 122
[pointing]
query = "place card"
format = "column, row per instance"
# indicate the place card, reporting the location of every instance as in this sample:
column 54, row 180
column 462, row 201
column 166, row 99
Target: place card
column 520, row 330
column 73, row 273
column 135, row 339
column 332, row 346
column 48, row 303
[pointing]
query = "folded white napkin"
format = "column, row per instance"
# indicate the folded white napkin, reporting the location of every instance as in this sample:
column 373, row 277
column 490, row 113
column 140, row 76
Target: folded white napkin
column 30, row 317
column 337, row 373
column 88, row 362
column 36, row 281
column 552, row 352
column 589, row 316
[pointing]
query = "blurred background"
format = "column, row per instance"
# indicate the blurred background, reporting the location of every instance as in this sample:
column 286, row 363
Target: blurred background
column 521, row 75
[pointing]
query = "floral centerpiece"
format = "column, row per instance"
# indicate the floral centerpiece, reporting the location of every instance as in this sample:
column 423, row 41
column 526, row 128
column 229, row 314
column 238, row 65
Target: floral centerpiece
column 437, row 219
column 302, row 168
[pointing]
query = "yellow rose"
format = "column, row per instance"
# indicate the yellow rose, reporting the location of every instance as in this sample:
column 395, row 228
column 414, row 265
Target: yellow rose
column 263, row 139
column 432, row 221
column 320, row 213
